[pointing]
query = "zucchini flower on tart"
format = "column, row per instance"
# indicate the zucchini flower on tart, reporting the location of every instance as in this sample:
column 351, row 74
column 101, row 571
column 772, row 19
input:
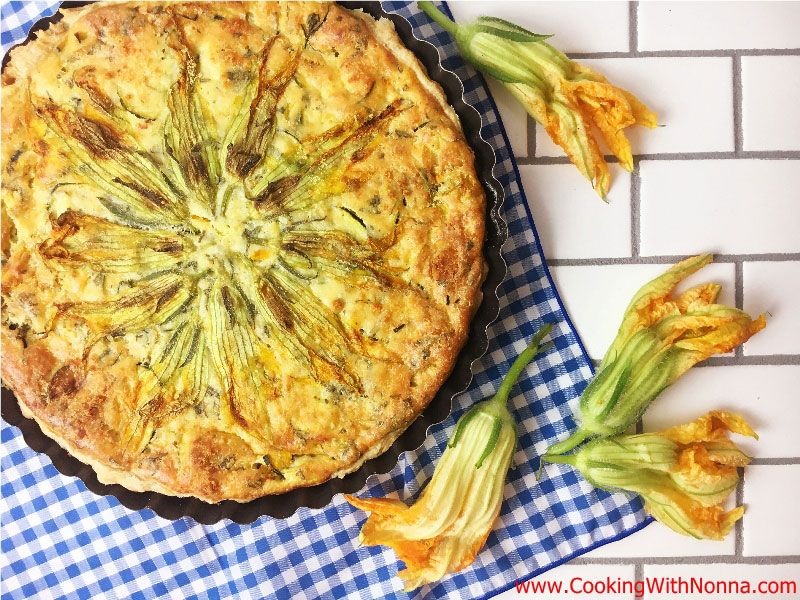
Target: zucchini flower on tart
column 568, row 99
column 661, row 337
column 683, row 474
column 448, row 525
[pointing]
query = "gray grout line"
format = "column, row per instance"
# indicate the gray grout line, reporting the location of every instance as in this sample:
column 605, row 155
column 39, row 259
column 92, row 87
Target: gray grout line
column 739, row 298
column 687, row 53
column 738, row 531
column 633, row 27
column 638, row 572
column 794, row 460
column 738, row 132
column 531, row 126
column 744, row 154
column 612, row 54
column 636, row 204
column 730, row 559
column 739, row 283
column 670, row 259
column 554, row 160
column 768, row 360
column 773, row 360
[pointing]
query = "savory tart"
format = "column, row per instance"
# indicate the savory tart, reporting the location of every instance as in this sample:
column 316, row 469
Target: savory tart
column 242, row 242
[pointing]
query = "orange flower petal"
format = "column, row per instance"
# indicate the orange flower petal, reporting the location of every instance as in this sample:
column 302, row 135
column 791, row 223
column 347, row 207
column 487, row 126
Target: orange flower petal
column 448, row 554
column 611, row 112
column 660, row 311
column 691, row 330
column 688, row 517
column 725, row 452
column 425, row 565
column 731, row 328
column 643, row 115
column 570, row 129
column 701, row 478
column 698, row 296
column 711, row 427
column 381, row 506
column 649, row 304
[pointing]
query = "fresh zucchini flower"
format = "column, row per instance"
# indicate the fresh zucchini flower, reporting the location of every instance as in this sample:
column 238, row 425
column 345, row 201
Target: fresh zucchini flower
column 568, row 99
column 660, row 338
column 683, row 474
column 448, row 525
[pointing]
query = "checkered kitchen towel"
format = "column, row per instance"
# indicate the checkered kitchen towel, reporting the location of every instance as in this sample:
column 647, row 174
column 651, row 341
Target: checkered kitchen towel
column 59, row 540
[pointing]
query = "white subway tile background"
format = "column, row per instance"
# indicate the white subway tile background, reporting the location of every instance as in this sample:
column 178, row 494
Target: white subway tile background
column 722, row 174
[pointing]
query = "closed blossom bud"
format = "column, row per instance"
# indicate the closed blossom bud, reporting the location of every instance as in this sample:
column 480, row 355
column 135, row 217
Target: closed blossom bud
column 568, row 99
column 660, row 338
column 683, row 474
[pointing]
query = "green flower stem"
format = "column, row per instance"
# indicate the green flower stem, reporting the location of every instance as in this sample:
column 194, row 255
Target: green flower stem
column 495, row 408
column 568, row 444
column 504, row 50
column 441, row 19
column 569, row 459
column 520, row 363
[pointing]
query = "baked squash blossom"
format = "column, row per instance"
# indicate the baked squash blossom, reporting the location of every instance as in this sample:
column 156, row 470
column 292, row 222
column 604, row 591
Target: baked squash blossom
column 568, row 99
column 243, row 244
column 448, row 525
column 683, row 474
column 661, row 337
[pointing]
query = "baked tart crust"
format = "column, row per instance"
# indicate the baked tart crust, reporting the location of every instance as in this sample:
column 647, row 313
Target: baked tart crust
column 242, row 242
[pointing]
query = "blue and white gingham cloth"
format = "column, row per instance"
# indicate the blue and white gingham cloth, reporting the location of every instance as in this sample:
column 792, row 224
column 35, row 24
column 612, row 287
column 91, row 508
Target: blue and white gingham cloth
column 59, row 540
